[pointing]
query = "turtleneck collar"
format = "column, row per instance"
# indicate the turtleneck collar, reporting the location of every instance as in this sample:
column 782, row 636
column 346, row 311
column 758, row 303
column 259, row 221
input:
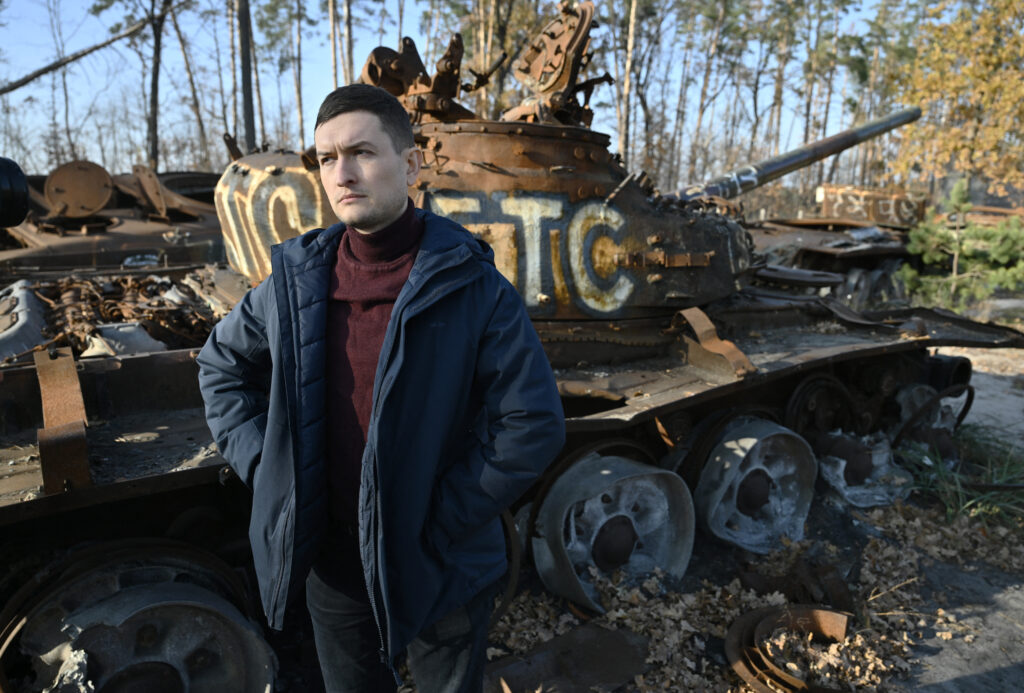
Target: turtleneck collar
column 390, row 242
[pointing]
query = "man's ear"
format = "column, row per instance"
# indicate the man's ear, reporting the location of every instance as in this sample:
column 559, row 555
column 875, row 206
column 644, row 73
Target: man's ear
column 413, row 161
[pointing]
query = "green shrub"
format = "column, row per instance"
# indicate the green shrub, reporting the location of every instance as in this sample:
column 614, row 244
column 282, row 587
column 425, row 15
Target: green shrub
column 963, row 262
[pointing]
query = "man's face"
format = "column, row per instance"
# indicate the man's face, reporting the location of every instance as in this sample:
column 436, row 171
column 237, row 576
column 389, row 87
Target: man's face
column 366, row 180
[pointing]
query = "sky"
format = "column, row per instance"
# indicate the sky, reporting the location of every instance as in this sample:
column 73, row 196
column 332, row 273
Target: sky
column 111, row 75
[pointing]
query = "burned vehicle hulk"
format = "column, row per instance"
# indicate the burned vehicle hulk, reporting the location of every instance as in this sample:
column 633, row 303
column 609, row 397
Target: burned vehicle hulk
column 660, row 317
column 81, row 216
column 700, row 389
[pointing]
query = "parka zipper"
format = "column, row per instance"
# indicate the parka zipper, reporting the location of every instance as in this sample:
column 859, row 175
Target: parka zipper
column 385, row 387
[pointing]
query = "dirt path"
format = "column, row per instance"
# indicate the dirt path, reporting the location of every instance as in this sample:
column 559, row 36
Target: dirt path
column 998, row 381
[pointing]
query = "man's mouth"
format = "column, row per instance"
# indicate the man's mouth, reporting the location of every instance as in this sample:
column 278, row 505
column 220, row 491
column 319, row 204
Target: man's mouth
column 351, row 197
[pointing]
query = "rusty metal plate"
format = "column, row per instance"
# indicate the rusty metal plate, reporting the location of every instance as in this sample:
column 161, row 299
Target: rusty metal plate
column 78, row 189
column 712, row 344
column 63, row 455
column 151, row 188
column 58, row 384
column 754, row 666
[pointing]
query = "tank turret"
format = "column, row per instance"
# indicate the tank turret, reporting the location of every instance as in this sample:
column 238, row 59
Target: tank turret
column 597, row 256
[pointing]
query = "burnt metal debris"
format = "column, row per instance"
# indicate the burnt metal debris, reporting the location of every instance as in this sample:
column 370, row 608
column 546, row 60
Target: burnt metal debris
column 105, row 315
column 744, row 650
column 676, row 345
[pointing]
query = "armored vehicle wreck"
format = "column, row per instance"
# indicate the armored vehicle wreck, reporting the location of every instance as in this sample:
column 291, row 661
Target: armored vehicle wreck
column 80, row 216
column 698, row 387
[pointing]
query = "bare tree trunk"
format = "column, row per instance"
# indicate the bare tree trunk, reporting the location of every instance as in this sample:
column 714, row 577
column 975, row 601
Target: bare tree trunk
column 332, row 19
column 53, row 10
column 626, row 86
column 234, row 71
column 220, row 79
column 827, row 96
column 712, row 51
column 245, row 46
column 204, row 147
column 152, row 133
column 401, row 18
column 346, row 58
column 756, row 112
column 297, row 70
column 259, row 91
column 435, row 16
column 775, row 119
column 502, row 16
column 676, row 155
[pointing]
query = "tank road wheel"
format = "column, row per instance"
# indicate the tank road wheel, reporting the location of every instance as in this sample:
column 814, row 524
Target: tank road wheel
column 756, row 485
column 135, row 617
column 820, row 404
column 610, row 512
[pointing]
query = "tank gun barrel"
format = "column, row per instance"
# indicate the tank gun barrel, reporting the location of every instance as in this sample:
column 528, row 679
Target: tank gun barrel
column 755, row 175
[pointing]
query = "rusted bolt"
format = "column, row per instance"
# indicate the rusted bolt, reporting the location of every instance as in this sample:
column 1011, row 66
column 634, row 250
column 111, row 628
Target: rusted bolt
column 654, row 278
column 519, row 131
column 579, row 153
column 594, row 155
column 653, row 239
column 598, row 191
column 543, row 299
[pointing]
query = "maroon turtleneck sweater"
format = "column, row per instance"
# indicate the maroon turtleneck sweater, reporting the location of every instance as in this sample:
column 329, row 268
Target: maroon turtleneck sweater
column 368, row 275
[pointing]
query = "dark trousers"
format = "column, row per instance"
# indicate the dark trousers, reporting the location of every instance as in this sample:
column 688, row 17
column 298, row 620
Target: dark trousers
column 446, row 657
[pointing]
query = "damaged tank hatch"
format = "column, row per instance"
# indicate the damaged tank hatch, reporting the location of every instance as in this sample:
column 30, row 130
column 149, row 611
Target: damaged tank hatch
column 695, row 391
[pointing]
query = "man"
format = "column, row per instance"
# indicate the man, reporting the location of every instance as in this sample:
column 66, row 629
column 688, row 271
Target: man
column 385, row 397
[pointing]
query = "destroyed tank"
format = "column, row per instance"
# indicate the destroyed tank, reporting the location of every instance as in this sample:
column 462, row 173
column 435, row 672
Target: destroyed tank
column 700, row 387
column 662, row 319
column 80, row 216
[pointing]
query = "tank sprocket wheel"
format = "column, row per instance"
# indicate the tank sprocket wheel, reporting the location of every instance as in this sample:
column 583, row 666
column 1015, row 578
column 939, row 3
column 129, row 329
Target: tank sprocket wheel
column 820, row 404
column 153, row 615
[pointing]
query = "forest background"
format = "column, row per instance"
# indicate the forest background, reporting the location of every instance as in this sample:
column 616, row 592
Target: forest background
column 700, row 86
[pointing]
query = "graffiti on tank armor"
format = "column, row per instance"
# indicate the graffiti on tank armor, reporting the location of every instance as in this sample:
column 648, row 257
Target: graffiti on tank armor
column 557, row 254
column 881, row 207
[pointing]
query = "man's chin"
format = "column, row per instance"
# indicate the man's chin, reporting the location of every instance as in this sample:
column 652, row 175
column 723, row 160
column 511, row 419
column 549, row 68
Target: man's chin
column 355, row 221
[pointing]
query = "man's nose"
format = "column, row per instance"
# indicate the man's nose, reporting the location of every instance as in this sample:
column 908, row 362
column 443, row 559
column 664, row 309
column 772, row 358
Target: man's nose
column 346, row 171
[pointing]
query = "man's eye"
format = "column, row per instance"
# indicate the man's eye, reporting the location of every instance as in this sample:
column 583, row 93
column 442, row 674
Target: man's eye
column 363, row 152
column 325, row 160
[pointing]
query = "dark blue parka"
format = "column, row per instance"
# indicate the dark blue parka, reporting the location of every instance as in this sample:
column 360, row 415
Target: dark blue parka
column 465, row 417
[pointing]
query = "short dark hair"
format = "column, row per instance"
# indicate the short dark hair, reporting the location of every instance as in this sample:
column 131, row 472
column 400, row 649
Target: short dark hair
column 366, row 97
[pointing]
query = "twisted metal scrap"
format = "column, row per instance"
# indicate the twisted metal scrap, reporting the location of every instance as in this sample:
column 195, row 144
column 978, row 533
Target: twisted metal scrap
column 169, row 311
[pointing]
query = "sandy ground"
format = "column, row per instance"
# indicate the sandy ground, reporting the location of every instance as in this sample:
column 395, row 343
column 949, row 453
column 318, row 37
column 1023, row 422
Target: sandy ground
column 998, row 381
